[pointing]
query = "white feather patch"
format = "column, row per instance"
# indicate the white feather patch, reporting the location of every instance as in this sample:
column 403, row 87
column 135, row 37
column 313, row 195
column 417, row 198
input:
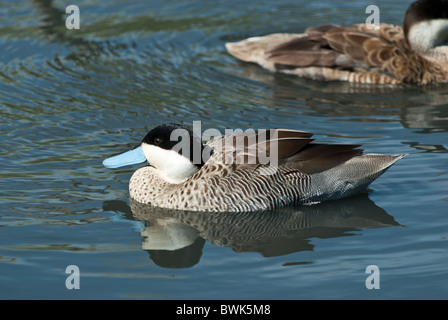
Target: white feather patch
column 427, row 35
column 171, row 166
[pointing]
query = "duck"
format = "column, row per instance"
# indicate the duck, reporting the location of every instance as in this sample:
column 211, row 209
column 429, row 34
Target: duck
column 245, row 171
column 415, row 53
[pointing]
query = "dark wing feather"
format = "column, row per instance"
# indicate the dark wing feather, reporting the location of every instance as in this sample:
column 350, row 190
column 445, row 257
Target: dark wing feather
column 253, row 147
column 316, row 158
column 294, row 150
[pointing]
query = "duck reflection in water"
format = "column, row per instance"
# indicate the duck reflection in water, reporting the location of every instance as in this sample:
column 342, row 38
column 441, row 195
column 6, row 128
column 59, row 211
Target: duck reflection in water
column 175, row 239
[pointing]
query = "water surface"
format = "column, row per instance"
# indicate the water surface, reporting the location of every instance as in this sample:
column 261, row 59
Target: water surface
column 70, row 98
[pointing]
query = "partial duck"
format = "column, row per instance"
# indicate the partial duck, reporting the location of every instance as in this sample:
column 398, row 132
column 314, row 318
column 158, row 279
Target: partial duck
column 245, row 171
column 416, row 53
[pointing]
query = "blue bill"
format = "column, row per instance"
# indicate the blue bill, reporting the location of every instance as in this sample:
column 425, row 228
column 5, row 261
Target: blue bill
column 125, row 159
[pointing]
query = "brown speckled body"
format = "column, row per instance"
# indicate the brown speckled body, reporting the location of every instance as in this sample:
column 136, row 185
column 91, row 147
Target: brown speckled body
column 218, row 188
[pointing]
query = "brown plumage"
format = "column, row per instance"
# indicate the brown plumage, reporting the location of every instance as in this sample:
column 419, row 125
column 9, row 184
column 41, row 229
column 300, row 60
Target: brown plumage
column 260, row 170
column 357, row 53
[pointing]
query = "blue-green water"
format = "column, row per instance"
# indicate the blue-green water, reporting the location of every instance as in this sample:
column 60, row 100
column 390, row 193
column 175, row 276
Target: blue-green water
column 70, row 98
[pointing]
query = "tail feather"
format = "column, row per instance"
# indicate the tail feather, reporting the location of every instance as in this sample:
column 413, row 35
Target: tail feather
column 351, row 177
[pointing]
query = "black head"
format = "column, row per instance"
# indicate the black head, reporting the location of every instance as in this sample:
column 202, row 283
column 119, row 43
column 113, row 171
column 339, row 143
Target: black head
column 172, row 136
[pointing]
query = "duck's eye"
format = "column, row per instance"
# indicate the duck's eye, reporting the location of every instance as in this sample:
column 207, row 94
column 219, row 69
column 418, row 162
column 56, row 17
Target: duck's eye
column 157, row 141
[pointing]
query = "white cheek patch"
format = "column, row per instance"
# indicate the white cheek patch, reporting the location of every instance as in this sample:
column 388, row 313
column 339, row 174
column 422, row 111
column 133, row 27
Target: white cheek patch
column 172, row 167
column 426, row 35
